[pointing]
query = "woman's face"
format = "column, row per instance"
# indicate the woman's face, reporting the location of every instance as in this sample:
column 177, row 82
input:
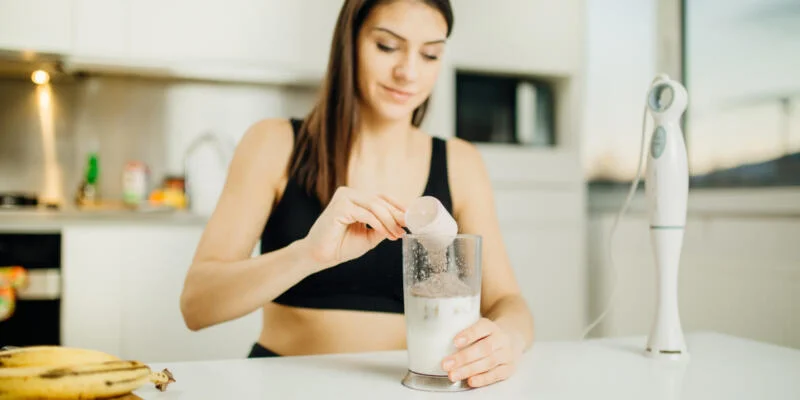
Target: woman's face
column 399, row 49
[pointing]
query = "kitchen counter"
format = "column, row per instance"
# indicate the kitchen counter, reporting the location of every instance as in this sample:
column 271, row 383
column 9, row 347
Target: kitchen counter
column 51, row 220
column 720, row 367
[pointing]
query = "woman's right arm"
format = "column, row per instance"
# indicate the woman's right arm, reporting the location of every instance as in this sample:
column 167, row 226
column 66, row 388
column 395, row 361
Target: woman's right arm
column 224, row 282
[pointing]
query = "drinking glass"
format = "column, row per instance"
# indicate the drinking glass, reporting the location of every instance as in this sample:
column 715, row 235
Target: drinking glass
column 442, row 297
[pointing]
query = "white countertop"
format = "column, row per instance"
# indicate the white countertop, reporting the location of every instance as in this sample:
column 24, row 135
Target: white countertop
column 720, row 367
column 54, row 220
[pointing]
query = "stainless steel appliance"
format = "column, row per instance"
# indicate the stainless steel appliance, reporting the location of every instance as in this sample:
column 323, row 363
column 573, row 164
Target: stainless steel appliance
column 18, row 200
column 37, row 316
column 23, row 201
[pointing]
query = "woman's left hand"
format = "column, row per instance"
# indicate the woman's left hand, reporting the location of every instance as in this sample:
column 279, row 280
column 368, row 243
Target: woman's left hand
column 486, row 354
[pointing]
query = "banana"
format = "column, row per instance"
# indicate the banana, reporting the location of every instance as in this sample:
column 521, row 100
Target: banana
column 162, row 379
column 94, row 380
column 51, row 356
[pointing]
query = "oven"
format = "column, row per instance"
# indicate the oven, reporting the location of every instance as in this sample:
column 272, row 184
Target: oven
column 36, row 319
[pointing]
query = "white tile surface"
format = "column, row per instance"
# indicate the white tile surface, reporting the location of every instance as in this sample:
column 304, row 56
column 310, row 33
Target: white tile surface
column 720, row 367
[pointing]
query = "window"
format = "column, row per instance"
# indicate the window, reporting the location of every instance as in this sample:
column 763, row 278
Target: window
column 741, row 61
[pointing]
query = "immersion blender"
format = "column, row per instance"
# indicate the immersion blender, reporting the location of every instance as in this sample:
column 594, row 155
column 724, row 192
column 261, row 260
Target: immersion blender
column 667, row 192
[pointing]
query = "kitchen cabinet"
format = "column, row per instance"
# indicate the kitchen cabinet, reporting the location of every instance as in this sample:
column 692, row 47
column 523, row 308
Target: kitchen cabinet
column 543, row 234
column 101, row 28
column 122, row 294
column 152, row 324
column 313, row 45
column 40, row 26
column 234, row 40
column 186, row 30
column 540, row 204
column 516, row 36
column 272, row 34
column 90, row 300
column 738, row 274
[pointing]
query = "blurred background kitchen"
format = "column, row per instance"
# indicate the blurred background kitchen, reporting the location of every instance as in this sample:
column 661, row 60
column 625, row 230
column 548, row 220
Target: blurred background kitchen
column 118, row 119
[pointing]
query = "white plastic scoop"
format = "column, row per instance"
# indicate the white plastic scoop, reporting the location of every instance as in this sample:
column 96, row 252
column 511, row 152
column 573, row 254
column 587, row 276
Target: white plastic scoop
column 427, row 216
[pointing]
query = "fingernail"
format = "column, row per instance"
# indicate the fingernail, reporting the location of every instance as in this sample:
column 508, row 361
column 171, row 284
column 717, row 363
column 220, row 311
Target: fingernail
column 447, row 365
column 460, row 341
column 455, row 378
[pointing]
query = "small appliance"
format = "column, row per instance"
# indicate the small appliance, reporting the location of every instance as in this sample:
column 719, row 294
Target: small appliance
column 666, row 192
column 18, row 200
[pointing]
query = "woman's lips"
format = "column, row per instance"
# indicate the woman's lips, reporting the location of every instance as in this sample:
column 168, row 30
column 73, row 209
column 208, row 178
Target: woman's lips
column 398, row 95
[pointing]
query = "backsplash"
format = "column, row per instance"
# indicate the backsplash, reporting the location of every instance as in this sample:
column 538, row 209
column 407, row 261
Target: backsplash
column 46, row 131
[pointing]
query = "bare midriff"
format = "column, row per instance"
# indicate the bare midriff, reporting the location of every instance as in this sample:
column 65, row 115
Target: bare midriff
column 301, row 331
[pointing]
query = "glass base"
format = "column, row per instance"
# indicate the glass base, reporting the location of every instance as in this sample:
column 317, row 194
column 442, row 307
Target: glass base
column 433, row 383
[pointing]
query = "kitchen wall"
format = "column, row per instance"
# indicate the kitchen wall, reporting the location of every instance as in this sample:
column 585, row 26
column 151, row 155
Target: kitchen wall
column 126, row 118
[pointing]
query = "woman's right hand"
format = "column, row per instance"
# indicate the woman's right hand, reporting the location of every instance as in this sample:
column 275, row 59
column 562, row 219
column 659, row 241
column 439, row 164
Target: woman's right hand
column 341, row 233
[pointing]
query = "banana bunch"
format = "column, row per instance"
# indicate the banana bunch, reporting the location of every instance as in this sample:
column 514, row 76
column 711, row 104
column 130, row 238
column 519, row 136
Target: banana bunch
column 55, row 372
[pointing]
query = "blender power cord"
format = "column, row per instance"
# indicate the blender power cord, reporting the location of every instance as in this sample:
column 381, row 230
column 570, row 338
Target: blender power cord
column 631, row 193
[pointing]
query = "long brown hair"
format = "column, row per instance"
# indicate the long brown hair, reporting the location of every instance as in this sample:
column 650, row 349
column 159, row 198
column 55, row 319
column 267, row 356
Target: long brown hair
column 322, row 150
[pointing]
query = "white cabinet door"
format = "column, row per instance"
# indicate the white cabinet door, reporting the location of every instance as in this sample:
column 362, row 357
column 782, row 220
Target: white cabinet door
column 101, row 28
column 519, row 36
column 317, row 21
column 212, row 31
column 122, row 295
column 543, row 233
column 35, row 25
column 152, row 280
column 91, row 301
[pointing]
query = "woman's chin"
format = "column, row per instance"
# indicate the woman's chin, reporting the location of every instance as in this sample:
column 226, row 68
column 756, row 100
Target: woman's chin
column 394, row 112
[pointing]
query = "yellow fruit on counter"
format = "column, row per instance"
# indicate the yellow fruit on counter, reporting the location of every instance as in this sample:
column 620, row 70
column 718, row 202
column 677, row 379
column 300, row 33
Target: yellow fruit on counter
column 55, row 372
column 86, row 381
column 51, row 356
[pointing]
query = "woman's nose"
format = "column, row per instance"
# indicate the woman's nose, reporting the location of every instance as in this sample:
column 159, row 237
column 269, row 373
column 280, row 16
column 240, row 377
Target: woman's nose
column 407, row 69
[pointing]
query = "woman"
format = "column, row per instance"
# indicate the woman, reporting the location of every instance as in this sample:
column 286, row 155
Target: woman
column 326, row 196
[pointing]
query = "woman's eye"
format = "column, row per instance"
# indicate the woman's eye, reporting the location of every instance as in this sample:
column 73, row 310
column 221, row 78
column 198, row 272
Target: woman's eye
column 430, row 57
column 385, row 48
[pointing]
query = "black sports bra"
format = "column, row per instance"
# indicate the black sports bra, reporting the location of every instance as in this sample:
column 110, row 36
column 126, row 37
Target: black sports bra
column 372, row 282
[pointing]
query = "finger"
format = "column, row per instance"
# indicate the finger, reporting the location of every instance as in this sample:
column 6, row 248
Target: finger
column 353, row 199
column 398, row 214
column 381, row 227
column 499, row 373
column 479, row 350
column 381, row 210
column 478, row 366
column 354, row 213
column 396, row 204
column 479, row 330
column 375, row 237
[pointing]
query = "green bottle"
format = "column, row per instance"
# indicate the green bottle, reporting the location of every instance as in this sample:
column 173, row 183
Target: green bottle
column 87, row 192
column 92, row 170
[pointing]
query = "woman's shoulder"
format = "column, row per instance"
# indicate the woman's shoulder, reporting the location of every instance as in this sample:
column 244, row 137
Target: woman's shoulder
column 463, row 155
column 467, row 173
column 274, row 136
column 266, row 146
column 270, row 132
column 459, row 151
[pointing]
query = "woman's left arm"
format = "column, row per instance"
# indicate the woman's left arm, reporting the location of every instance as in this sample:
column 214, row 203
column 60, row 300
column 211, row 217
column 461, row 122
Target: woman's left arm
column 488, row 350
